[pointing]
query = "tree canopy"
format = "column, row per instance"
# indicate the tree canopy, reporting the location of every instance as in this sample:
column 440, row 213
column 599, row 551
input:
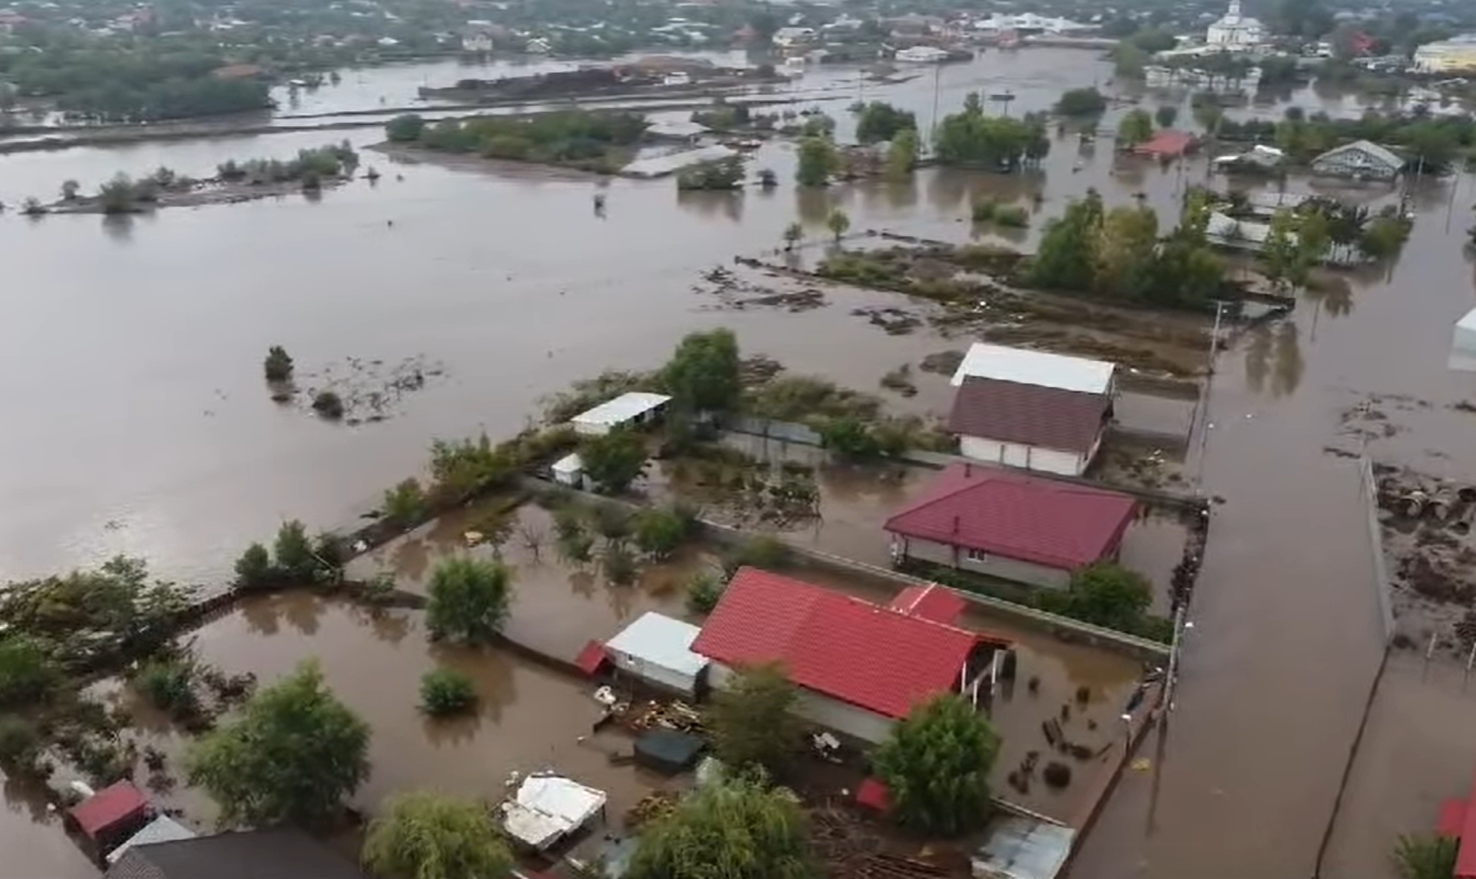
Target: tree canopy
column 751, row 719
column 878, row 121
column 936, row 766
column 613, row 461
column 817, row 161
column 703, row 373
column 426, row 835
column 731, row 829
column 1107, row 594
column 1135, row 128
column 469, row 599
column 995, row 142
column 1081, row 102
column 291, row 756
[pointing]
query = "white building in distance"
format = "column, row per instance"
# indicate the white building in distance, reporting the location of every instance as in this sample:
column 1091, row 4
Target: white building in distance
column 1447, row 56
column 1235, row 30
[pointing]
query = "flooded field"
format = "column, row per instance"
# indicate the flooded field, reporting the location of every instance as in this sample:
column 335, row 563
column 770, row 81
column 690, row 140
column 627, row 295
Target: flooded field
column 151, row 332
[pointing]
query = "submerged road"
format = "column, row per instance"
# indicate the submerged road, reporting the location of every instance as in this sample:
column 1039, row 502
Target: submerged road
column 1287, row 633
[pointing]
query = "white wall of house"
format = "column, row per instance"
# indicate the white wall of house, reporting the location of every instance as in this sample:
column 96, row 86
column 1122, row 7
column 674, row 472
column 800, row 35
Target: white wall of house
column 653, row 673
column 1025, row 456
column 822, row 710
column 979, row 563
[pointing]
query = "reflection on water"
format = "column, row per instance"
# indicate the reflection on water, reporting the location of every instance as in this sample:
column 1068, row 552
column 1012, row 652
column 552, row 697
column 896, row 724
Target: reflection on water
column 1273, row 359
column 713, row 204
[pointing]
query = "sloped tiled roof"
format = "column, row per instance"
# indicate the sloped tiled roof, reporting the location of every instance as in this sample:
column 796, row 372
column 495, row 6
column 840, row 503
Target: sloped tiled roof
column 861, row 653
column 1052, row 418
column 280, row 853
column 994, row 510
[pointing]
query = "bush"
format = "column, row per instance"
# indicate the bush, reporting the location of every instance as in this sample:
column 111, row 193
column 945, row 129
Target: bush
column 849, row 438
column 759, row 551
column 405, row 503
column 406, row 127
column 20, row 742
column 329, row 405
column 659, row 532
column 254, row 567
column 612, row 522
column 576, row 548
column 469, row 599
column 278, row 365
column 1012, row 216
column 168, row 686
column 619, row 563
column 294, row 552
column 445, row 691
column 27, row 673
column 1081, row 102
column 704, row 591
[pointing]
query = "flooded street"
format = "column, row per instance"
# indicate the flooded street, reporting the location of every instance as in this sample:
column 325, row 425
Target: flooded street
column 131, row 362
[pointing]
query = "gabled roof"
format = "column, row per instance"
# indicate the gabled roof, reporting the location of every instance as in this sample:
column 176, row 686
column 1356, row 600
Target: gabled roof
column 280, row 853
column 861, row 653
column 116, row 804
column 1042, row 521
column 621, row 409
column 1381, row 154
column 1070, row 421
column 1035, row 368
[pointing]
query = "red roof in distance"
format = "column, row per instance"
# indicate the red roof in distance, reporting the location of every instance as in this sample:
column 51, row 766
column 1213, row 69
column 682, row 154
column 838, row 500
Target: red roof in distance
column 116, row 804
column 1166, row 143
column 867, row 655
column 1043, row 521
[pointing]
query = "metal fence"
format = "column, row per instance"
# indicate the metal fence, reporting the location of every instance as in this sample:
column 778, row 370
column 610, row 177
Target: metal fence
column 788, row 431
column 1376, row 544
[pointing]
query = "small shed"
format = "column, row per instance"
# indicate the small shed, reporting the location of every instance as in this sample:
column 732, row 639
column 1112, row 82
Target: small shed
column 548, row 808
column 110, row 816
column 668, row 751
column 569, row 470
column 161, row 829
column 1017, row 847
column 1463, row 343
column 635, row 407
column 657, row 649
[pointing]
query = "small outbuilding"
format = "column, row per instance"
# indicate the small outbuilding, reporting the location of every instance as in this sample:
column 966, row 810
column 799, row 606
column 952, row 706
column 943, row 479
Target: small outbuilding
column 112, row 815
column 668, row 751
column 1020, row 847
column 630, row 409
column 569, row 470
column 657, row 650
column 548, row 808
column 1361, row 160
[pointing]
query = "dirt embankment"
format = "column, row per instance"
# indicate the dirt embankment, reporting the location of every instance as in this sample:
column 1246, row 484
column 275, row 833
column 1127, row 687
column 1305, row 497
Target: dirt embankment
column 1430, row 551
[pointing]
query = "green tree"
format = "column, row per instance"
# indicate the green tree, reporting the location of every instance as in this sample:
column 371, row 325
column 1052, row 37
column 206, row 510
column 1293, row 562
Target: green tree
column 848, row 437
column 1128, row 60
column 27, row 672
column 1124, row 251
column 1066, row 258
column 1081, row 102
column 168, row 685
column 703, row 374
column 731, row 829
column 278, row 365
column 704, row 591
column 1383, row 237
column 294, row 552
column 404, row 128
column 658, row 532
column 752, row 720
column 1426, row 857
column 463, row 468
column 936, row 766
column 1107, row 594
column 405, row 503
column 117, row 195
column 446, row 691
column 426, row 835
column 1135, row 128
column 254, row 567
column 996, row 143
column 613, row 461
column 879, row 121
column 838, row 222
column 291, row 756
column 902, row 153
column 1166, row 115
column 1209, row 114
column 794, row 233
column 817, row 161
column 1279, row 254
column 469, row 599
column 69, row 190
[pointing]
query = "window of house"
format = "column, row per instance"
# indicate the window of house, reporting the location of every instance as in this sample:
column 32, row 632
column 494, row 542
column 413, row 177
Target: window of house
column 977, row 555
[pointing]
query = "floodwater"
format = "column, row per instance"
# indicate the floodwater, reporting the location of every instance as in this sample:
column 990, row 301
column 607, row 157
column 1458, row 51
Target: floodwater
column 130, row 361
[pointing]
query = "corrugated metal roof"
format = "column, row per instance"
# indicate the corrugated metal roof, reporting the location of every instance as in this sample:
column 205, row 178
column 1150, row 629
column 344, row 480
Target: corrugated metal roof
column 1035, row 368
column 1023, row 848
column 661, row 641
column 113, row 805
column 1051, row 418
column 1383, row 155
column 621, row 409
column 161, row 829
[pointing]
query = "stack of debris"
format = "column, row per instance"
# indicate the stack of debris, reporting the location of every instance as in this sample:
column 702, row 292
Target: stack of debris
column 675, row 714
column 652, row 806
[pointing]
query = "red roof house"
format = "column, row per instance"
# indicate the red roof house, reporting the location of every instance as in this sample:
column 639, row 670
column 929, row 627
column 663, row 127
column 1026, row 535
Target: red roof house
column 859, row 666
column 1166, row 144
column 1005, row 524
column 111, row 815
column 1458, row 821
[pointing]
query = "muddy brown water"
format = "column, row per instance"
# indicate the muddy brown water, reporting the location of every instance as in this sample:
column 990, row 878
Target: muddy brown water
column 131, row 357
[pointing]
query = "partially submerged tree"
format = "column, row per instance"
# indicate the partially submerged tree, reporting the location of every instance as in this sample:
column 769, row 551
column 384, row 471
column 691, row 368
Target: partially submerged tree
column 936, row 766
column 27, row 672
column 405, row 503
column 731, row 829
column 254, row 567
column 838, row 222
column 613, row 461
column 69, row 190
column 296, row 558
column 426, row 835
column 291, row 756
column 446, row 691
column 658, row 532
column 794, row 233
column 117, row 195
column 817, row 161
column 1136, row 127
column 469, row 599
column 902, row 153
column 1107, row 594
column 278, row 365
column 703, row 374
column 751, row 719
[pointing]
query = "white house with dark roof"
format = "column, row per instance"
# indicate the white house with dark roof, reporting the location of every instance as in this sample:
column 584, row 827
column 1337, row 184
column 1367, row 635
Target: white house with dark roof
column 1361, row 159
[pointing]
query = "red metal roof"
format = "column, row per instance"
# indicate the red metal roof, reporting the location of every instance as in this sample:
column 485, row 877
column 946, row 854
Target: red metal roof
column 115, row 804
column 1458, row 819
column 1043, row 521
column 1052, row 418
column 931, row 602
column 1166, row 142
column 591, row 657
column 870, row 656
column 873, row 794
column 1452, row 818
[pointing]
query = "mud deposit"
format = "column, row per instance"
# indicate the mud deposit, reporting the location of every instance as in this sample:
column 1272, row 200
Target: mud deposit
column 1431, row 556
column 370, row 390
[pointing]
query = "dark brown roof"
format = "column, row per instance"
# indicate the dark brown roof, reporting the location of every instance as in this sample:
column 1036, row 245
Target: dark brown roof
column 282, row 853
column 1051, row 418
